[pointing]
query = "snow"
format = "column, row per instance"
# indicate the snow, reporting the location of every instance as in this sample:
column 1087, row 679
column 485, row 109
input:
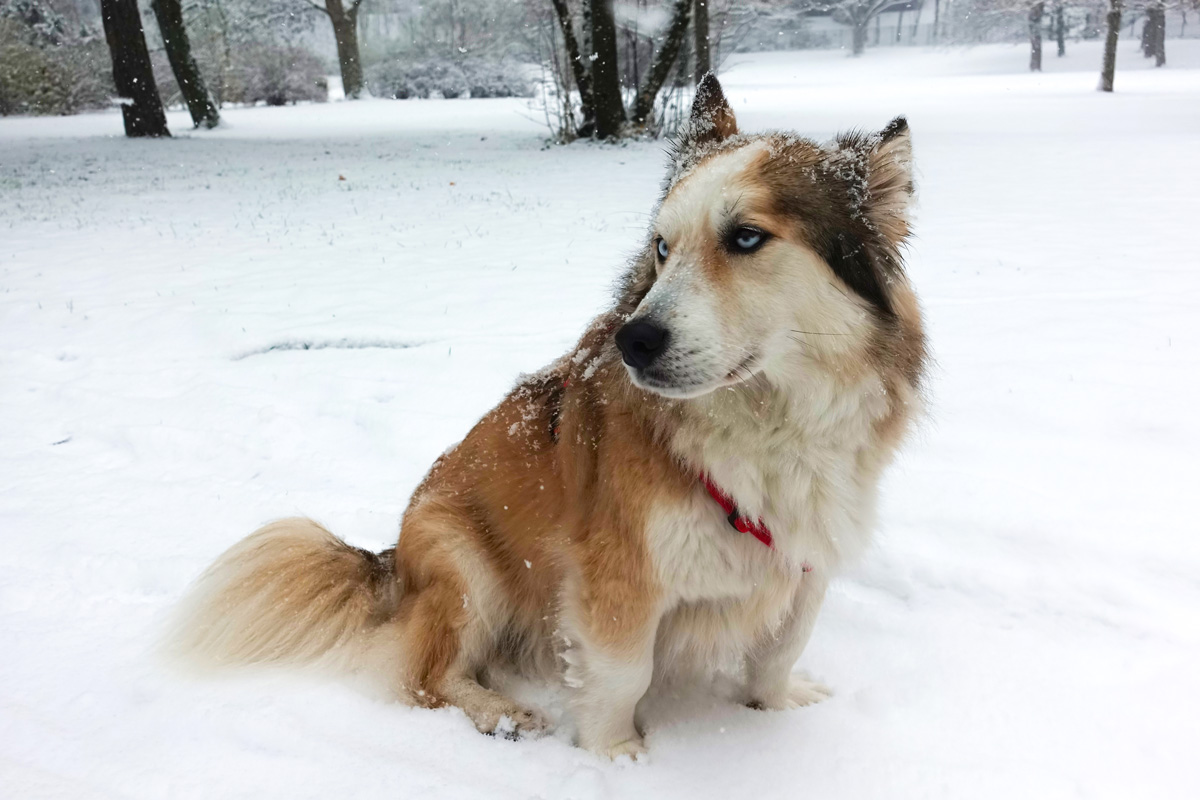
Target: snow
column 205, row 333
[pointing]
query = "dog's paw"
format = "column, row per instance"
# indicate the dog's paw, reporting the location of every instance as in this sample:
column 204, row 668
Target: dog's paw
column 510, row 721
column 521, row 723
column 798, row 692
column 635, row 749
column 803, row 692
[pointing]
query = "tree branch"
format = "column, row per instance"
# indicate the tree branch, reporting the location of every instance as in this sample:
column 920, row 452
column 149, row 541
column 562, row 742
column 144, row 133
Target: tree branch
column 643, row 104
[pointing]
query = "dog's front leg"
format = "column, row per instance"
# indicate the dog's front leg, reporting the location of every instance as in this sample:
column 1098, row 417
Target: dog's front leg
column 769, row 679
column 611, row 626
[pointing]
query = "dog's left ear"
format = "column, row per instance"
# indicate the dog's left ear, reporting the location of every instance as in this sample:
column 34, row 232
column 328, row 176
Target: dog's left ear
column 890, row 180
column 711, row 119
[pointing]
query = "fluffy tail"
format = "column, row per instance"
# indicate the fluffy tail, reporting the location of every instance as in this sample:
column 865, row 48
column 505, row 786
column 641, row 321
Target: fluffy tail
column 291, row 592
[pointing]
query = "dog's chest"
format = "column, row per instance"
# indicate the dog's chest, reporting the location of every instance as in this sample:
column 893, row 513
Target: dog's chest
column 806, row 484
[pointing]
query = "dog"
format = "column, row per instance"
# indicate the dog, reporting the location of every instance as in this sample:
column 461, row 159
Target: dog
column 674, row 493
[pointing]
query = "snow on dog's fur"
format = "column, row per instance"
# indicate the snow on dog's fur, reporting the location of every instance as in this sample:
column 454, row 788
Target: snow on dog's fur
column 766, row 337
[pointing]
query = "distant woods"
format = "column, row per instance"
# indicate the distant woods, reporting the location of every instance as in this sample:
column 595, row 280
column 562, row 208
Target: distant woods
column 599, row 69
column 607, row 85
column 995, row 20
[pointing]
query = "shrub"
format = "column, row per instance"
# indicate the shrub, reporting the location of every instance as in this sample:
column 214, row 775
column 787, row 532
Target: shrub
column 401, row 79
column 497, row 79
column 277, row 74
column 51, row 79
column 89, row 64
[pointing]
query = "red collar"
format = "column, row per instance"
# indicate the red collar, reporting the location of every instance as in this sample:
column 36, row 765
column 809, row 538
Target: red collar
column 741, row 524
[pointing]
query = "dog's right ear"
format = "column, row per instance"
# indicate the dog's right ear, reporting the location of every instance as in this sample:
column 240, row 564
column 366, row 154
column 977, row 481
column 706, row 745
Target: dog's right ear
column 711, row 119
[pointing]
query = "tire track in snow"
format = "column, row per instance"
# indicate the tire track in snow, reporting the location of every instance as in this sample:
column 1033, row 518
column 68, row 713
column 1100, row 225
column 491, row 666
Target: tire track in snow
column 328, row 344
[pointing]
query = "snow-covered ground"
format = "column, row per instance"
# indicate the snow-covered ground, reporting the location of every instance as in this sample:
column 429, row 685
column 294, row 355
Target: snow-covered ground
column 297, row 313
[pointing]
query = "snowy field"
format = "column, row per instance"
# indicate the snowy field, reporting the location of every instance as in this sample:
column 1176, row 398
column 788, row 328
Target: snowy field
column 295, row 314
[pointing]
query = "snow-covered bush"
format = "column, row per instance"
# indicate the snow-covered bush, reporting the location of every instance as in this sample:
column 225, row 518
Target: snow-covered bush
column 497, row 78
column 278, row 74
column 42, row 71
column 30, row 81
column 402, row 79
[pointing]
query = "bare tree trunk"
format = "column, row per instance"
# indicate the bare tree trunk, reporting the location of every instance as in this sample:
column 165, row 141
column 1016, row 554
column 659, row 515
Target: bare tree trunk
column 169, row 14
column 345, row 34
column 631, row 71
column 1160, row 56
column 1156, row 23
column 1060, row 29
column 1109, row 67
column 223, row 79
column 643, row 104
column 937, row 11
column 583, row 78
column 134, row 77
column 1035, row 36
column 860, row 37
column 606, row 77
column 700, row 29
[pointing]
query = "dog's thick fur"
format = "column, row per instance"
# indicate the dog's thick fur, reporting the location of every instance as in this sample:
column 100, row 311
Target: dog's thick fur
column 571, row 532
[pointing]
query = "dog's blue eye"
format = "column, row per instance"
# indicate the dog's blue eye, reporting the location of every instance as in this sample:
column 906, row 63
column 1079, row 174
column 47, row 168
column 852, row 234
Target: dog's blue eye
column 748, row 238
column 663, row 250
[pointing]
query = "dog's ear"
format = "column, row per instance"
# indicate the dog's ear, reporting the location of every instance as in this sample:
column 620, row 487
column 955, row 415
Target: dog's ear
column 711, row 119
column 890, row 180
column 872, row 174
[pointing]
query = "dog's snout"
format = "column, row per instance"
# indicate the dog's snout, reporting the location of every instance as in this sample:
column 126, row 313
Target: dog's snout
column 641, row 342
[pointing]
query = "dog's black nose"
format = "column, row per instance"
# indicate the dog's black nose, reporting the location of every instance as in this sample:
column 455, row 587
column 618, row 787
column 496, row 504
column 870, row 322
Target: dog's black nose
column 641, row 342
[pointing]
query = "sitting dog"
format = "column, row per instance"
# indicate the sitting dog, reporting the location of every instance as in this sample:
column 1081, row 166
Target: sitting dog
column 678, row 489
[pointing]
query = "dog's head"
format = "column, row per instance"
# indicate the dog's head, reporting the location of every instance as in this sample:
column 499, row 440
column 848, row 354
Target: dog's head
column 768, row 254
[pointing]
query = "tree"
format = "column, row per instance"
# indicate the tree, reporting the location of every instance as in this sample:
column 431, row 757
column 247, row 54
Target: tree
column 594, row 68
column 1035, row 35
column 700, row 33
column 1060, row 28
column 1108, row 67
column 1160, row 34
column 141, row 107
column 579, row 70
column 169, row 14
column 858, row 14
column 643, row 104
column 606, row 78
column 987, row 19
column 344, row 19
column 1154, row 33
